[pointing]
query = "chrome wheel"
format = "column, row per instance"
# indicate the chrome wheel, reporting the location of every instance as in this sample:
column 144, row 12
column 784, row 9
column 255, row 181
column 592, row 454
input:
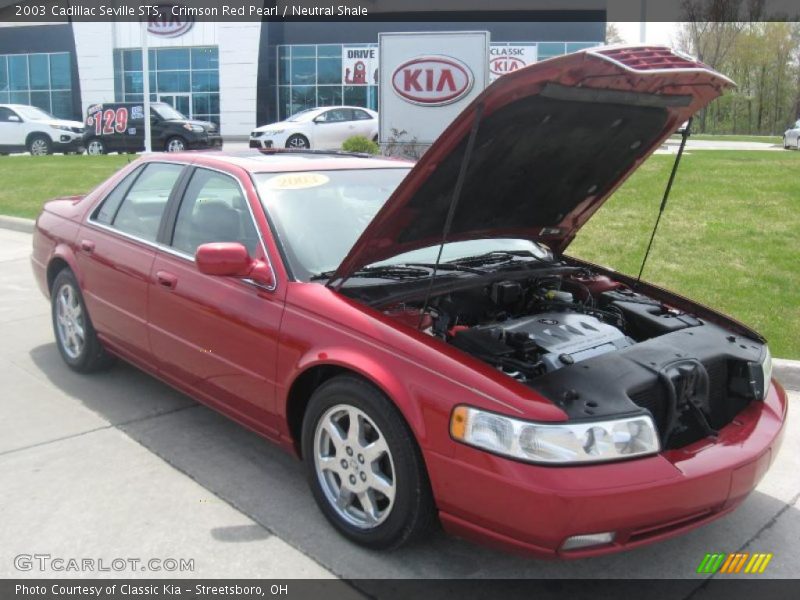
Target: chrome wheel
column 70, row 323
column 176, row 145
column 354, row 466
column 95, row 147
column 39, row 147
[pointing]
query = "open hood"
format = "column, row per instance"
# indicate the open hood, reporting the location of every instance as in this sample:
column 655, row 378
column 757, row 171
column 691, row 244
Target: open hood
column 554, row 140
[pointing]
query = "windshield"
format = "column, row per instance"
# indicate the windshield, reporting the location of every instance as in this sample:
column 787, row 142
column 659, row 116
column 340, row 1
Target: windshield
column 318, row 216
column 302, row 115
column 166, row 112
column 33, row 113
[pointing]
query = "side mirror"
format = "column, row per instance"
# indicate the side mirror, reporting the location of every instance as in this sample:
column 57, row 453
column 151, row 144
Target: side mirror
column 230, row 259
column 14, row 119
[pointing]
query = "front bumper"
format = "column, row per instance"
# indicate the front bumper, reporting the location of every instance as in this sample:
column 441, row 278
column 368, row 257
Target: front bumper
column 206, row 141
column 260, row 143
column 66, row 141
column 534, row 509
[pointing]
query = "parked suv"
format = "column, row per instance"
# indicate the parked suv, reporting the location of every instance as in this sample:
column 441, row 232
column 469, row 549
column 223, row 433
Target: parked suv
column 24, row 127
column 119, row 127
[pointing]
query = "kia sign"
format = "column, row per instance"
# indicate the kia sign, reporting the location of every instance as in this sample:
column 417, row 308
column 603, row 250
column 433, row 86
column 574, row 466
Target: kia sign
column 432, row 80
column 166, row 24
column 428, row 79
column 507, row 58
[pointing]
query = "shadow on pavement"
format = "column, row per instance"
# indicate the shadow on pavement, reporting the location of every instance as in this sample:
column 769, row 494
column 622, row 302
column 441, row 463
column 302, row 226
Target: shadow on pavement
column 270, row 487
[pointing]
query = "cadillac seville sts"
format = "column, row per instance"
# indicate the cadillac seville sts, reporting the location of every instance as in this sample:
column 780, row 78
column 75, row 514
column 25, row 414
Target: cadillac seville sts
column 417, row 333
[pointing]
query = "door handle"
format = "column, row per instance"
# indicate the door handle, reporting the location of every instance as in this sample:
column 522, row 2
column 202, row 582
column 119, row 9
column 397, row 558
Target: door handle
column 167, row 280
column 87, row 246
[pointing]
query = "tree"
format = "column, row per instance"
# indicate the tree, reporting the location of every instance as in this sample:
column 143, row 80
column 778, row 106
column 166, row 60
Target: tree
column 613, row 35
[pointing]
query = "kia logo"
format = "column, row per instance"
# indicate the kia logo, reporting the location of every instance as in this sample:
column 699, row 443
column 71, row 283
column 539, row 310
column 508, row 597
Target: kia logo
column 432, row 80
column 166, row 24
column 500, row 65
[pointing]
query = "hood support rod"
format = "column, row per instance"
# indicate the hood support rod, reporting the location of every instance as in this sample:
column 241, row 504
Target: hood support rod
column 448, row 222
column 685, row 136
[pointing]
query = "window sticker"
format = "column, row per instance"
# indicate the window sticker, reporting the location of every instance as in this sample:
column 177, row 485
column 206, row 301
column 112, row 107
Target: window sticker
column 297, row 181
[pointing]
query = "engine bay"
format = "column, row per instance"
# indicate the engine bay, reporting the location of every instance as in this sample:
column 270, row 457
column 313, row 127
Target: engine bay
column 597, row 348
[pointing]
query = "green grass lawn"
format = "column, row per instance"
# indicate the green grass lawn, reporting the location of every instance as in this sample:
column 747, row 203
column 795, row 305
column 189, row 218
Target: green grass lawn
column 27, row 182
column 730, row 237
column 766, row 139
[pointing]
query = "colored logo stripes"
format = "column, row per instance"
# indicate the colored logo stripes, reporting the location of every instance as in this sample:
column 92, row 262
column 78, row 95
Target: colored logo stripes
column 739, row 562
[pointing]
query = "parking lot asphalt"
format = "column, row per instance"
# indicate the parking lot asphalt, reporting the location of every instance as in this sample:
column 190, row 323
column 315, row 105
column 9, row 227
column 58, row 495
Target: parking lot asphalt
column 118, row 465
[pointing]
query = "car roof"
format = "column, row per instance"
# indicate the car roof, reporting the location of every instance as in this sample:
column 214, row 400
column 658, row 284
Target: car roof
column 255, row 161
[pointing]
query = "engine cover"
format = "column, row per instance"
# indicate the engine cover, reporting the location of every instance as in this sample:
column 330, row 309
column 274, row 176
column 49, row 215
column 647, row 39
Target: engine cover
column 566, row 337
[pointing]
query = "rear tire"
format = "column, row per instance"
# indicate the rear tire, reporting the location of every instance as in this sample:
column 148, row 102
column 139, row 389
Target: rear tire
column 95, row 147
column 40, row 145
column 370, row 482
column 75, row 335
column 298, row 142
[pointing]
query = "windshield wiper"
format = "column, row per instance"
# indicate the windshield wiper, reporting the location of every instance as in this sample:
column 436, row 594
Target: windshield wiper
column 496, row 258
column 383, row 272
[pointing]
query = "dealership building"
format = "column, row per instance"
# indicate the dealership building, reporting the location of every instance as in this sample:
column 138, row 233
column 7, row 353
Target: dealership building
column 243, row 74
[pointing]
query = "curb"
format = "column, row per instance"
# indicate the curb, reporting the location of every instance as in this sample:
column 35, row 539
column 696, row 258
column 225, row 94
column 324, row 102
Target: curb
column 785, row 371
column 17, row 224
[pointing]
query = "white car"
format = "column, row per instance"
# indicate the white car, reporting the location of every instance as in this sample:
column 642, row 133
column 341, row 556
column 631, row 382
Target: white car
column 791, row 137
column 317, row 128
column 24, row 127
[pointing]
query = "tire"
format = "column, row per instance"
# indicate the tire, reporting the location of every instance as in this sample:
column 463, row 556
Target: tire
column 40, row 145
column 75, row 336
column 298, row 142
column 175, row 144
column 797, row 144
column 95, row 147
column 393, row 480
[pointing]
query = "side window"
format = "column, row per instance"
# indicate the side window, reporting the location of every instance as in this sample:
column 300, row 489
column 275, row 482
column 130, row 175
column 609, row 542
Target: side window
column 361, row 115
column 141, row 209
column 5, row 113
column 108, row 209
column 337, row 115
column 213, row 210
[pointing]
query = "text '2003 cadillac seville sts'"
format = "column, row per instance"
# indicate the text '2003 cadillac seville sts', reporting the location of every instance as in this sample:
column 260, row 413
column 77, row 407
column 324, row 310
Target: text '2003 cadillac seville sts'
column 416, row 333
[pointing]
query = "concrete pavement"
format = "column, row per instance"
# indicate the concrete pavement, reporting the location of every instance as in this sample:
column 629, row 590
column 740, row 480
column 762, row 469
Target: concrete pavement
column 119, row 465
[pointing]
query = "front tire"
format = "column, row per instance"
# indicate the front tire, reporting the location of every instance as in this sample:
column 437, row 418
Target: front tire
column 95, row 147
column 175, row 144
column 364, row 466
column 39, row 145
column 75, row 336
column 298, row 142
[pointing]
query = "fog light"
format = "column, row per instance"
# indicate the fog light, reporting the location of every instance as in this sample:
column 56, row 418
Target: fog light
column 65, row 138
column 589, row 539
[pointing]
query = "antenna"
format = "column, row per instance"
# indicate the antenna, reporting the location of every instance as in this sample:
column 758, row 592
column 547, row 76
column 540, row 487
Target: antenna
column 684, row 137
column 462, row 175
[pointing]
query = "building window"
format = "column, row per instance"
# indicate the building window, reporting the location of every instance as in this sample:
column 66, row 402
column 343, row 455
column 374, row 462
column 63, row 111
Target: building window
column 42, row 80
column 185, row 78
column 310, row 75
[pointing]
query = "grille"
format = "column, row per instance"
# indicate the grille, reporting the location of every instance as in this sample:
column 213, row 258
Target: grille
column 648, row 58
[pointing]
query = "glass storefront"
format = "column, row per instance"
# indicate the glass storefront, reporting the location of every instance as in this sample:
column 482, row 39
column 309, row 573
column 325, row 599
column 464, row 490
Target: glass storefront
column 310, row 75
column 42, row 80
column 185, row 78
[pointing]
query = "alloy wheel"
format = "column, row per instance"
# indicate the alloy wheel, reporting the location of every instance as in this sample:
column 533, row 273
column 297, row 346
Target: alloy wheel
column 38, row 147
column 297, row 142
column 175, row 145
column 354, row 466
column 95, row 147
column 70, row 323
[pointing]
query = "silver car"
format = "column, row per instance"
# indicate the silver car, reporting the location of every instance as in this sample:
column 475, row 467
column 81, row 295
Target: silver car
column 791, row 137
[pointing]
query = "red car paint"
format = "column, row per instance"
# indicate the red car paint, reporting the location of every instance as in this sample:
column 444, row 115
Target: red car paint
column 251, row 353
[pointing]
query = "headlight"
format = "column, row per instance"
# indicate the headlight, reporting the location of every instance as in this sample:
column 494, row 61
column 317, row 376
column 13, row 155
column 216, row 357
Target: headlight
column 554, row 443
column 195, row 128
column 761, row 375
column 272, row 131
column 62, row 127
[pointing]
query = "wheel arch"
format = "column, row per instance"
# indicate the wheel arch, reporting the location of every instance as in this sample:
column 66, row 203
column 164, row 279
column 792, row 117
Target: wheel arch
column 62, row 258
column 35, row 134
column 314, row 374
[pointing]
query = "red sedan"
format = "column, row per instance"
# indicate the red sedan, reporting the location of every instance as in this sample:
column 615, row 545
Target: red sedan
column 416, row 334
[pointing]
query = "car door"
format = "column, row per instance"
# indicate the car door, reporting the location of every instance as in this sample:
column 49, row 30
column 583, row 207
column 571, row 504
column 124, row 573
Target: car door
column 216, row 336
column 365, row 124
column 333, row 127
column 12, row 129
column 115, row 253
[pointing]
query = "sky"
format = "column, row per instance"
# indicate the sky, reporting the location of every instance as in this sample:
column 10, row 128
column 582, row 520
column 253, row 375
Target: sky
column 655, row 32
